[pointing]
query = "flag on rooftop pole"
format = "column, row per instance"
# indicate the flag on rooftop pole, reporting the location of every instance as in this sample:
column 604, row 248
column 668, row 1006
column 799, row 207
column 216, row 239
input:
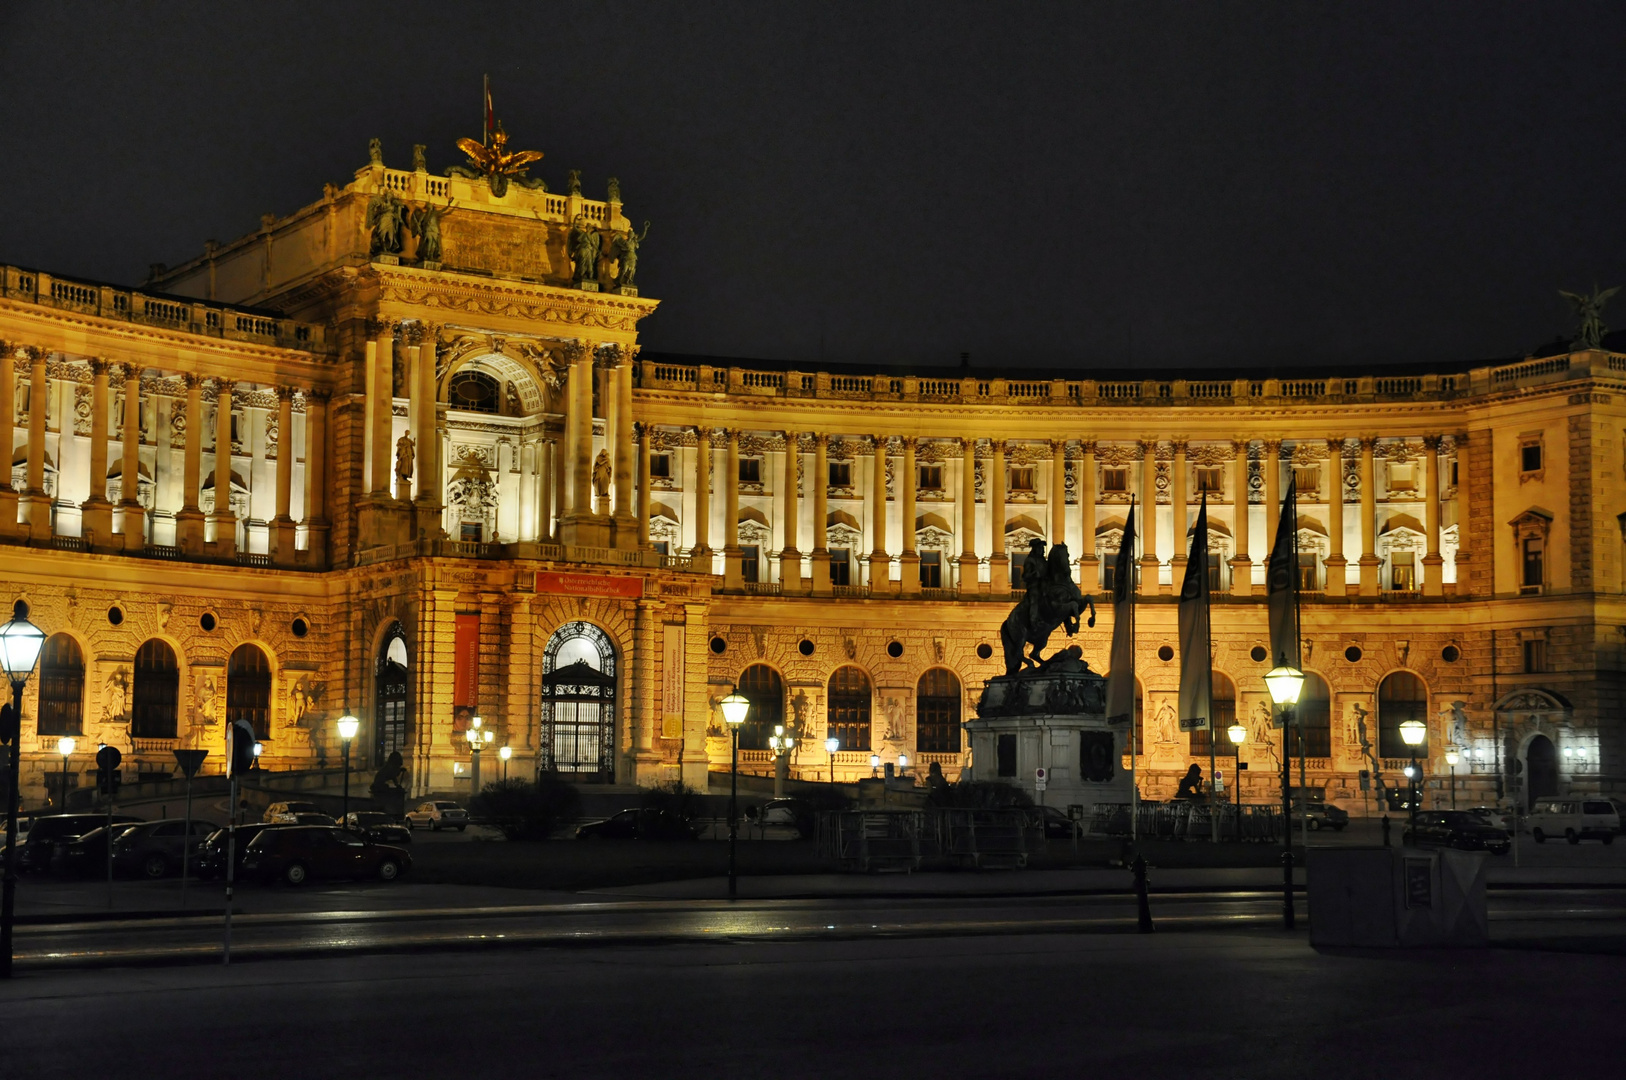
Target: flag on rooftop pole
column 1196, row 663
column 491, row 114
column 1121, row 661
column 1281, row 585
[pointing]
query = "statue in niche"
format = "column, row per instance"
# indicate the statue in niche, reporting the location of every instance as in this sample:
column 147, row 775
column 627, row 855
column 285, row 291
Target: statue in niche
column 798, row 707
column 1052, row 600
column 419, row 164
column 403, row 458
column 1589, row 310
column 1455, row 717
column 584, row 248
column 601, row 474
column 425, row 225
column 375, row 151
column 511, row 401
column 386, row 218
column 626, row 250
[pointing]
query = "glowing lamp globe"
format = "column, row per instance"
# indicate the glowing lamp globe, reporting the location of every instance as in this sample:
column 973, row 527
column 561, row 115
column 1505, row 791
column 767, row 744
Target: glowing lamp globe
column 734, row 707
column 1284, row 681
column 348, row 726
column 1414, row 732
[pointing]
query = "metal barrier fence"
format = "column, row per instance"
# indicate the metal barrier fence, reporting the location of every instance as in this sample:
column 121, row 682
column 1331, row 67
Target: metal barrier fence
column 1190, row 821
column 873, row 840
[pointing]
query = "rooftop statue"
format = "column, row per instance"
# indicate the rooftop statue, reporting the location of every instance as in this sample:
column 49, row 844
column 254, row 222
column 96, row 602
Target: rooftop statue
column 584, row 248
column 425, row 225
column 626, row 250
column 1589, row 310
column 497, row 164
column 386, row 216
column 1052, row 600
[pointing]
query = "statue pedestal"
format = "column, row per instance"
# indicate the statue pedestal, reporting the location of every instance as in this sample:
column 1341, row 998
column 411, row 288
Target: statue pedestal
column 1053, row 719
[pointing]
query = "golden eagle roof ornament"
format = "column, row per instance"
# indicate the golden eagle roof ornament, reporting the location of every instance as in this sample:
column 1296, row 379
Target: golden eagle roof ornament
column 491, row 158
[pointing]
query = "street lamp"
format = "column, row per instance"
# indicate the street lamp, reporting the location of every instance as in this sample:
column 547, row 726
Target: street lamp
column 782, row 744
column 1413, row 732
column 478, row 738
column 831, row 745
column 1451, row 759
column 20, row 644
column 734, row 707
column 64, row 746
column 1284, row 681
column 348, row 726
column 505, row 753
column 1239, row 735
column 903, row 763
column 874, row 765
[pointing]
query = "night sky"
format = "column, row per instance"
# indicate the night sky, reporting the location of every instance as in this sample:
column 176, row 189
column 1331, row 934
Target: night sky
column 1090, row 186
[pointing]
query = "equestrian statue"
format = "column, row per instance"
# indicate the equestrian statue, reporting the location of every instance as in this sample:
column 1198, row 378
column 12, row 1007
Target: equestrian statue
column 1052, row 599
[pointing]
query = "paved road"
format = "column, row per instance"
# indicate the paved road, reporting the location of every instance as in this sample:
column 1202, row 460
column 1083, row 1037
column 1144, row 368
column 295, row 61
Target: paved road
column 1243, row 1003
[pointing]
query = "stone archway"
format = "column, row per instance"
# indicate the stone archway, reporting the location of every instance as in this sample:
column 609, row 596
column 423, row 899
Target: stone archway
column 1540, row 770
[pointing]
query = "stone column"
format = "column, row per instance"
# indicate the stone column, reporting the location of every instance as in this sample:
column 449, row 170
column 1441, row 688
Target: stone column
column 189, row 519
column 1336, row 563
column 527, row 491
column 909, row 561
column 546, row 472
column 8, row 421
column 1273, row 488
column 381, row 408
column 1464, row 557
column 968, row 515
column 132, row 516
column 626, row 522
column 1149, row 585
column 225, row 521
column 1089, row 563
column 821, row 514
column 790, row 559
column 282, row 526
column 316, row 519
column 880, row 563
column 36, row 504
column 733, row 578
column 1179, row 515
column 1058, row 491
column 581, row 479
column 1370, row 563
column 1241, row 562
column 1433, row 561
column 422, row 413
column 999, row 562
column 646, row 762
column 701, row 552
column 96, row 521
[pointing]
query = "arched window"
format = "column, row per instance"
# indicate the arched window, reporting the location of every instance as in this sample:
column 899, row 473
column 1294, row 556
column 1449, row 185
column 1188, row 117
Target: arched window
column 578, row 703
column 1220, row 718
column 474, row 391
column 849, row 708
column 62, row 687
column 762, row 685
column 1401, row 697
column 1140, row 722
column 157, row 690
column 390, row 707
column 937, row 712
column 248, row 689
column 1314, row 716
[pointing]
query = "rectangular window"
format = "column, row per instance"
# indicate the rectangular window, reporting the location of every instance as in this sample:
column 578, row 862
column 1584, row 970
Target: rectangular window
column 931, row 569
column 1307, row 481
column 750, row 470
column 1021, row 478
column 1453, row 472
column 1115, row 480
column 662, row 547
column 1530, row 457
column 1018, row 559
column 1213, row 573
column 750, row 562
column 1109, row 571
column 1535, row 656
column 1308, row 577
column 1402, row 571
column 1533, row 565
column 1007, row 755
column 1210, row 481
column 660, row 466
column 470, row 532
column 841, row 474
column 930, row 477
column 841, row 562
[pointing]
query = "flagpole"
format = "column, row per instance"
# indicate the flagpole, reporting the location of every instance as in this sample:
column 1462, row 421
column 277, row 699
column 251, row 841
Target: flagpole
column 1298, row 642
column 485, row 114
column 1208, row 633
column 1134, row 741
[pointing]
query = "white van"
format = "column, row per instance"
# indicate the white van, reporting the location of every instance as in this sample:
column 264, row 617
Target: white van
column 1575, row 818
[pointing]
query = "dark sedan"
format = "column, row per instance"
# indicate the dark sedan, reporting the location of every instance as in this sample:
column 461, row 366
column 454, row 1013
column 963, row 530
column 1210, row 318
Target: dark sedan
column 299, row 853
column 377, row 827
column 211, row 858
column 88, row 854
column 1457, row 829
column 48, row 835
column 154, row 849
column 639, row 824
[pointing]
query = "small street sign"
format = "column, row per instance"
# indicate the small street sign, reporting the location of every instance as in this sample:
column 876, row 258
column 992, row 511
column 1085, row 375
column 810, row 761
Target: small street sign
column 1039, row 778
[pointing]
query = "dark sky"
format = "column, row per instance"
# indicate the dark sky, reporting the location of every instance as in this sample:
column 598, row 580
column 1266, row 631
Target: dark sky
column 1081, row 185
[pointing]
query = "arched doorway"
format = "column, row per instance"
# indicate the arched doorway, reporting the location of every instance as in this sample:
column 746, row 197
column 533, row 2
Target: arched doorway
column 156, row 692
column 578, row 703
column 390, row 702
column 766, row 691
column 248, row 689
column 1541, row 767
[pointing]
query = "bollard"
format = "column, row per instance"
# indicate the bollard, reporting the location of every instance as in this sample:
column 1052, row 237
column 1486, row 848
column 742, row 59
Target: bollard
column 1385, row 830
column 1141, row 902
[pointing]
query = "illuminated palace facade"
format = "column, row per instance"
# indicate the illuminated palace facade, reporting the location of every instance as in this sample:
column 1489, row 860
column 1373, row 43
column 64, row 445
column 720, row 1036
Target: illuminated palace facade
column 454, row 485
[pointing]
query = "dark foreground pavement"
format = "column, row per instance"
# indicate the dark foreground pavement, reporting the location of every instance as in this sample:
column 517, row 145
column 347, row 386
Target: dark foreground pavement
column 1245, row 1003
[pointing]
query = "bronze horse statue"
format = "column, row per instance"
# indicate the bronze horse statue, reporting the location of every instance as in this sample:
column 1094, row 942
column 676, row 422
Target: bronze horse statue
column 1053, row 599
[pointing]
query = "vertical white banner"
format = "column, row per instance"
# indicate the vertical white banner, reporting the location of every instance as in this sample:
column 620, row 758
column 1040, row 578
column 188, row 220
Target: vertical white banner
column 672, row 681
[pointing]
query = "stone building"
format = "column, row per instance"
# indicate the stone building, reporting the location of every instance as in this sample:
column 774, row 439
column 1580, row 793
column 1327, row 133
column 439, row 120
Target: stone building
column 455, row 486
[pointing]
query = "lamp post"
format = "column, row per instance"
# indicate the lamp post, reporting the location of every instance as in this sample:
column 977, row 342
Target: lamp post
column 782, row 744
column 505, row 753
column 348, row 726
column 1239, row 735
column 831, row 745
column 1284, row 681
column 734, row 707
column 874, row 765
column 1413, row 732
column 64, row 746
column 20, row 644
column 477, row 741
column 1451, row 759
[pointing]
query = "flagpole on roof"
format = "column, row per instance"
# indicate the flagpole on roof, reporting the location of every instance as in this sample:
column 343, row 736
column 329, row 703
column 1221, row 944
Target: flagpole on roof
column 485, row 112
column 1134, row 740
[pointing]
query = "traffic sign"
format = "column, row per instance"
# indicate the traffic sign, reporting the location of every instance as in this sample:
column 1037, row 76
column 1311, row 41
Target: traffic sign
column 190, row 761
column 1039, row 778
column 108, row 757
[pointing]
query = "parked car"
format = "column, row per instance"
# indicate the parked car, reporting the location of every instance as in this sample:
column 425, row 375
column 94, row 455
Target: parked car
column 1575, row 818
column 54, row 832
column 639, row 824
column 1319, row 814
column 783, row 814
column 1458, row 829
column 1057, row 825
column 299, row 853
column 153, row 848
column 312, row 818
column 1495, row 817
column 211, row 862
column 438, row 814
column 378, row 827
column 88, row 854
column 287, row 813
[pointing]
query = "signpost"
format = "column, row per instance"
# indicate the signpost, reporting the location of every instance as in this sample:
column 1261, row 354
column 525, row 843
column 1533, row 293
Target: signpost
column 107, row 782
column 189, row 761
column 1039, row 778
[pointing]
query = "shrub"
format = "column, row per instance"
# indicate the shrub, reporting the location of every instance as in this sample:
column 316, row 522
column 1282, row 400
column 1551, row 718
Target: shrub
column 524, row 810
column 676, row 798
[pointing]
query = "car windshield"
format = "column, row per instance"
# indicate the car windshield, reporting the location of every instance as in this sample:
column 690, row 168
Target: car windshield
column 1462, row 817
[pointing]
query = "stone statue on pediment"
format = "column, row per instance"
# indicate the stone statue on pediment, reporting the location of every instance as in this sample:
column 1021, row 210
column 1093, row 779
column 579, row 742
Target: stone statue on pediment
column 626, row 250
column 1589, row 311
column 1052, row 600
column 425, row 225
column 375, row 151
column 386, row 217
column 601, row 474
column 403, row 458
column 419, row 164
column 585, row 243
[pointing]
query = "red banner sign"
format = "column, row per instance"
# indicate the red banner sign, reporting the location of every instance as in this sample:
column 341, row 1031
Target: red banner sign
column 466, row 662
column 620, row 588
